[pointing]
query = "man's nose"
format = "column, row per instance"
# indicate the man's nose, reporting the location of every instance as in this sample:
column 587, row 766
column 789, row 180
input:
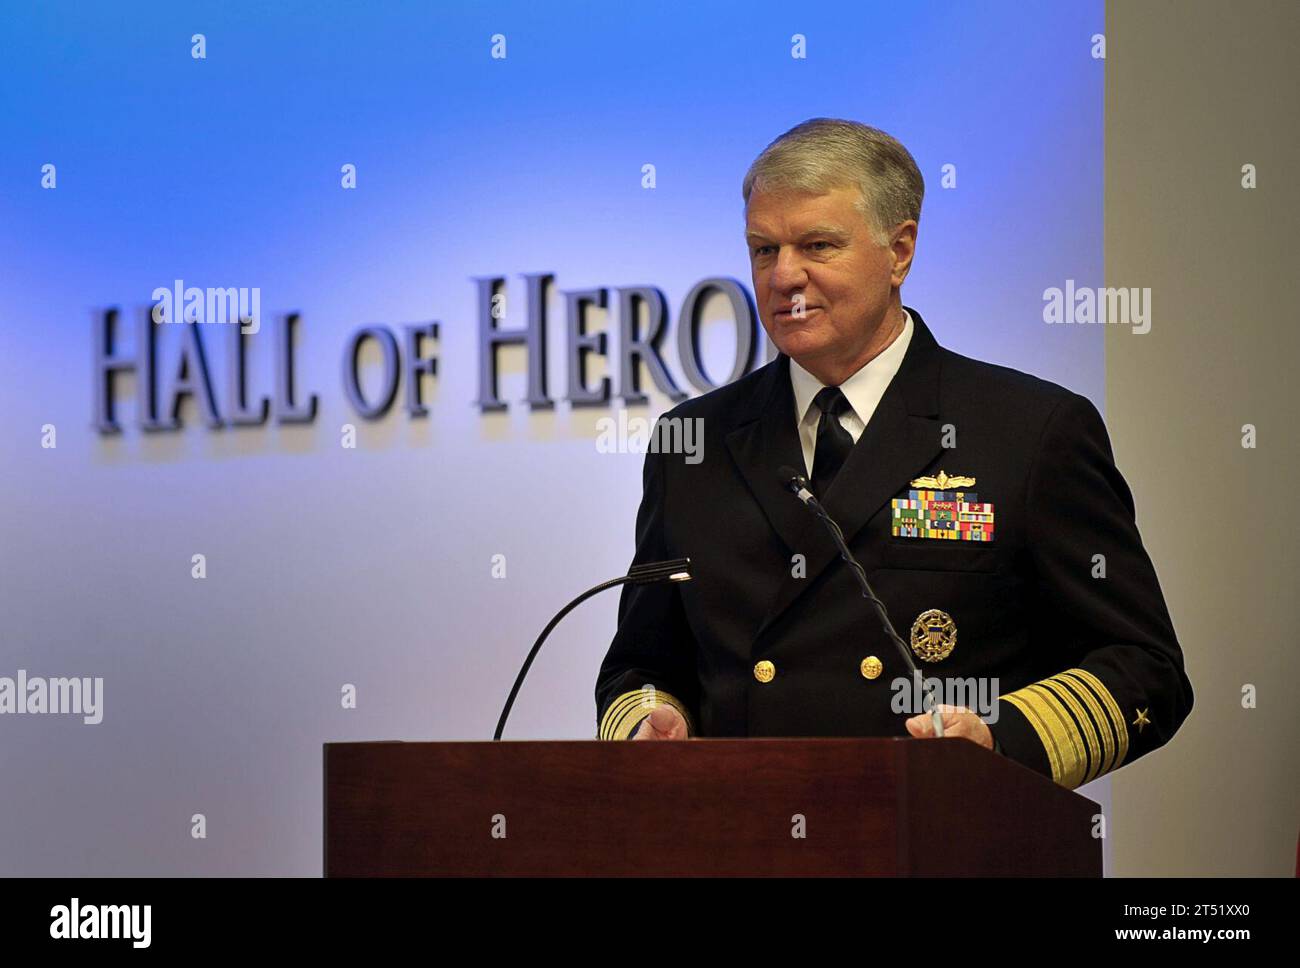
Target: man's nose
column 788, row 271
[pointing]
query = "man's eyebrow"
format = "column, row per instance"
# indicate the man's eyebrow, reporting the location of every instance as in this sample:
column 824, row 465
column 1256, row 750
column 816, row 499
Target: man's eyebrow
column 834, row 231
column 831, row 231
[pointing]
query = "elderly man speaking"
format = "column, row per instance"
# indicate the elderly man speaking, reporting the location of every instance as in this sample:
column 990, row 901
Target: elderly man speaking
column 983, row 503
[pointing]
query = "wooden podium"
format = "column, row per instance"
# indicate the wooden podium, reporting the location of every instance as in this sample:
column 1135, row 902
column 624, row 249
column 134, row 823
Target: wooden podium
column 705, row 807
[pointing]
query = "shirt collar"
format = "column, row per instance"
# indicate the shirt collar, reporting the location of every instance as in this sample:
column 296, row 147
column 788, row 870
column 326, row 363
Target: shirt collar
column 865, row 387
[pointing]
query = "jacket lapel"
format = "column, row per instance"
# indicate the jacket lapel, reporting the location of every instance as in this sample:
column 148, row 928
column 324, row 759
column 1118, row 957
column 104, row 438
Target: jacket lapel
column 766, row 440
column 901, row 440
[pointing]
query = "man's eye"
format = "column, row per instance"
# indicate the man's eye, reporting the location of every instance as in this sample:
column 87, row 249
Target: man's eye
column 814, row 245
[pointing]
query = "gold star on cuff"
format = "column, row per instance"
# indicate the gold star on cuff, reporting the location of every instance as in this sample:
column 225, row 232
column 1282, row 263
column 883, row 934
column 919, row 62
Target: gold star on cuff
column 1141, row 719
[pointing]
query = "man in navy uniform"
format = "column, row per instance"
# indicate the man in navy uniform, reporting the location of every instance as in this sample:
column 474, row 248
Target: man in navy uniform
column 983, row 503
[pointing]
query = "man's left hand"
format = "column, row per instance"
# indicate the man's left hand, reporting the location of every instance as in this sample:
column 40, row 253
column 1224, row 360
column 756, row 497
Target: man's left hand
column 957, row 721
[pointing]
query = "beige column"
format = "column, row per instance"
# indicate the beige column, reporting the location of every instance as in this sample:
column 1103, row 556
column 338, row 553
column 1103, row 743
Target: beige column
column 1195, row 91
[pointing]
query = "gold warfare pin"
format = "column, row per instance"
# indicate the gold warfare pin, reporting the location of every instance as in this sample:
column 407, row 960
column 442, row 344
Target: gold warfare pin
column 940, row 507
column 943, row 482
column 934, row 635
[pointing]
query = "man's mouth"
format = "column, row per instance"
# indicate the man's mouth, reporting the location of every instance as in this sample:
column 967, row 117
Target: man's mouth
column 789, row 315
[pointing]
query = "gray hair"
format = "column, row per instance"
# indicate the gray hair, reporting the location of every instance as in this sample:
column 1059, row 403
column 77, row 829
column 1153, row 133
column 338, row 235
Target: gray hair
column 826, row 153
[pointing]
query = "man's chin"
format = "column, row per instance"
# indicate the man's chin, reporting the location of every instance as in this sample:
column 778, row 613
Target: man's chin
column 800, row 349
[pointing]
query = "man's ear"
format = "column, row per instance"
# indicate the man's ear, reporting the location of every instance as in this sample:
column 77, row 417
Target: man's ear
column 903, row 247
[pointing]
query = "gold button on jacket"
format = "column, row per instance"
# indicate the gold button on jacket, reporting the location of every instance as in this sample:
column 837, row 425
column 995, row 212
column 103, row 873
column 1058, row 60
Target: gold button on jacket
column 764, row 671
column 871, row 667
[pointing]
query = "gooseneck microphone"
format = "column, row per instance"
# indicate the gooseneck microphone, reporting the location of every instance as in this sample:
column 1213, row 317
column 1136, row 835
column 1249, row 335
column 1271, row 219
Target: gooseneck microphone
column 797, row 484
column 679, row 569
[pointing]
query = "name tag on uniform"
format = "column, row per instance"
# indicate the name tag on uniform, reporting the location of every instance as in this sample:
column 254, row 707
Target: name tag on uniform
column 941, row 507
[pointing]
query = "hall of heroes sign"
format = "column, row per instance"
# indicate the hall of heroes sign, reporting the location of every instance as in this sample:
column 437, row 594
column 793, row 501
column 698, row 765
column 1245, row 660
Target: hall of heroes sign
column 404, row 355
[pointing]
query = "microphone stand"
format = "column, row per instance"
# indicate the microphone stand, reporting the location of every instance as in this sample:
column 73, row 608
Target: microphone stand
column 677, row 570
column 798, row 485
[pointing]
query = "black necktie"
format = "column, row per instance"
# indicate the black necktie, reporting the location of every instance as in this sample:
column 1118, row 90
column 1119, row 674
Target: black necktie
column 833, row 441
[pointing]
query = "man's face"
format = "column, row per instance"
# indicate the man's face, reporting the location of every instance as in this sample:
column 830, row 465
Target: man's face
column 820, row 247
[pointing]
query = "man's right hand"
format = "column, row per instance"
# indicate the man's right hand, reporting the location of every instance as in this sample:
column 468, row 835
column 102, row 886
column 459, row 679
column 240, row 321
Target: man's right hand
column 664, row 722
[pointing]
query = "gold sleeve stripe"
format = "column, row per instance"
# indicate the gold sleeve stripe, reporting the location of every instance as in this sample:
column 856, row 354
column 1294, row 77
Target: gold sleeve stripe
column 623, row 714
column 1112, row 710
column 1021, row 700
column 618, row 710
column 1109, row 744
column 628, row 709
column 1078, row 722
column 1065, row 733
column 1092, row 741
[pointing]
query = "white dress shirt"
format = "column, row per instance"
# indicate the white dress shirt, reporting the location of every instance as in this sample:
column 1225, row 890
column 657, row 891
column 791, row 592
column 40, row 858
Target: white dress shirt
column 863, row 390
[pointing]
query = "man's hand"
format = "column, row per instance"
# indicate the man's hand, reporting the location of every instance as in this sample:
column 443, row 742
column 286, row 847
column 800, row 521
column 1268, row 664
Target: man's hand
column 664, row 722
column 957, row 721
